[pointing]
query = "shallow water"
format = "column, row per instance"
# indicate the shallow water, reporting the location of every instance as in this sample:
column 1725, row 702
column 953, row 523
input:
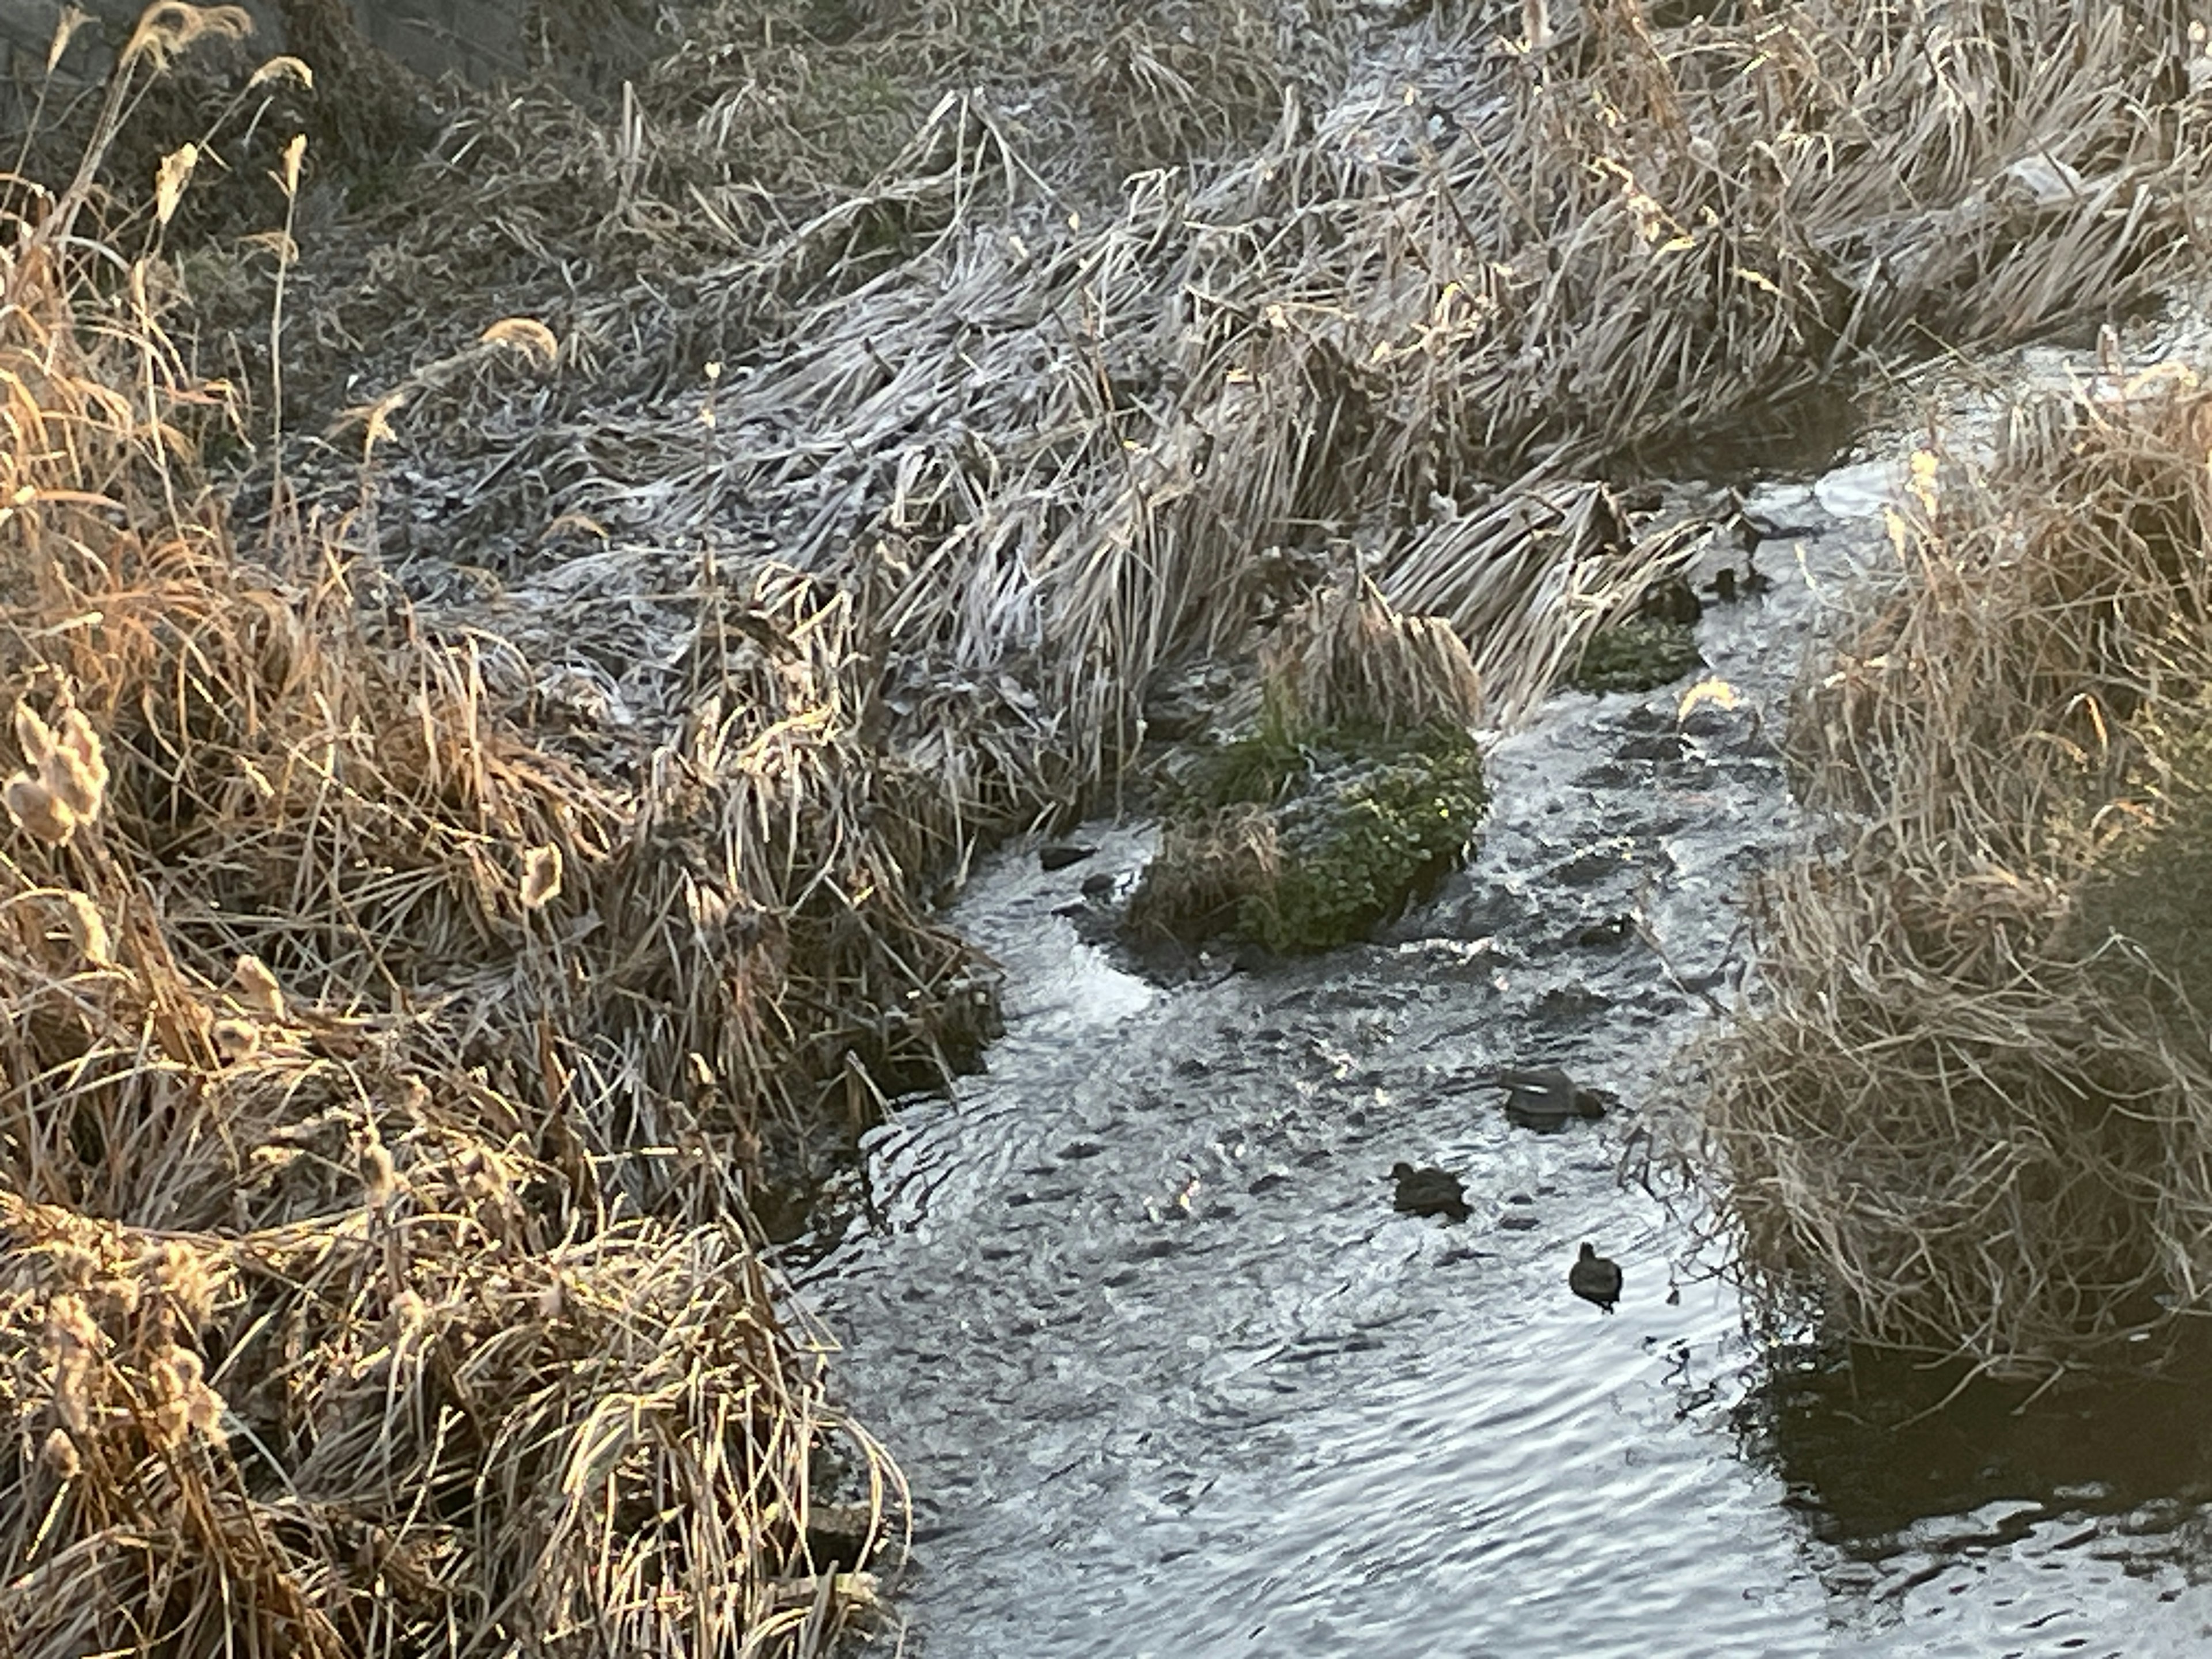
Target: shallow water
column 1169, row 1377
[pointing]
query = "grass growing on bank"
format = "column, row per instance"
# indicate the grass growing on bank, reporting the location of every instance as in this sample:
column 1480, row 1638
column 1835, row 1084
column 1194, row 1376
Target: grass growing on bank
column 423, row 938
column 381, row 1091
column 1640, row 654
column 1969, row 1106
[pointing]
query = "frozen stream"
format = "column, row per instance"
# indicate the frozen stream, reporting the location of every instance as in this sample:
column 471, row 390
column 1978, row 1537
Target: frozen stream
column 1169, row 1377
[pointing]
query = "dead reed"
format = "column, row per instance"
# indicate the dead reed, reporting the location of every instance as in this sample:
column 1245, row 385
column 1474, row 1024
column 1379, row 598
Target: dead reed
column 1344, row 657
column 1969, row 1108
column 1064, row 439
column 382, row 1091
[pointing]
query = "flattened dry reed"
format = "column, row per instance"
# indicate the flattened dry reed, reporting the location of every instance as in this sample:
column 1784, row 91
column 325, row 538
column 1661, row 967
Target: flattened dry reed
column 1969, row 1110
column 1064, row 446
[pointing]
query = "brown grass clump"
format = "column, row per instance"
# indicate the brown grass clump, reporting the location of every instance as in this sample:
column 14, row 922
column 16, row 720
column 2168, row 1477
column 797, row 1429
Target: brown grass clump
column 1206, row 872
column 408, row 1430
column 383, row 1092
column 1345, row 659
column 1970, row 1108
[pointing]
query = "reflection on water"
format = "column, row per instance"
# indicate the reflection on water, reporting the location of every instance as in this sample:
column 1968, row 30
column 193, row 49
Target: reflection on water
column 1917, row 1484
column 1170, row 1377
column 1872, row 1448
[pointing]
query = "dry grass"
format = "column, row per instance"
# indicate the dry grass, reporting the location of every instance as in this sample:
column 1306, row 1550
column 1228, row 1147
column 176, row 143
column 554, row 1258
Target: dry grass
column 399, row 1024
column 1345, row 659
column 382, row 1093
column 1969, row 1110
column 1063, row 442
column 1207, row 870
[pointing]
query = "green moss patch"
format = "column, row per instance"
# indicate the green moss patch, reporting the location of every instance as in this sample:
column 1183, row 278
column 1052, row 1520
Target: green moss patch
column 1302, row 846
column 1640, row 655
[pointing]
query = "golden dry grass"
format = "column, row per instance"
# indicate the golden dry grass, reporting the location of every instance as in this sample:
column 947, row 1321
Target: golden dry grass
column 1969, row 1108
column 381, row 1094
column 397, row 1032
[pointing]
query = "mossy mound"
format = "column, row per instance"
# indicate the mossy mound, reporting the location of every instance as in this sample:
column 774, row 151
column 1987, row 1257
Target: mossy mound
column 1639, row 655
column 1301, row 846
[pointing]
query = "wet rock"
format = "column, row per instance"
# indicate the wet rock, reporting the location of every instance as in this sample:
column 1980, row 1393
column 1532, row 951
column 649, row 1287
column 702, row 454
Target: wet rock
column 1753, row 528
column 1659, row 746
column 1613, row 930
column 837, row 1534
column 1545, row 1099
column 1099, row 885
column 1058, row 855
column 1570, row 1006
column 1590, row 865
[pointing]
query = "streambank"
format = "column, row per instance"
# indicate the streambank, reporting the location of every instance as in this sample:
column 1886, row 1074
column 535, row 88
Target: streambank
column 1168, row 1375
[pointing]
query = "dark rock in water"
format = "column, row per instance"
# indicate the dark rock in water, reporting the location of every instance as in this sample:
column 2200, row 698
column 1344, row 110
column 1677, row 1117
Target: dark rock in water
column 1545, row 1099
column 1058, row 855
column 1099, row 883
column 1671, row 599
column 1728, row 587
column 1429, row 1192
column 1595, row 1280
column 1611, row 931
column 1753, row 528
column 1519, row 1221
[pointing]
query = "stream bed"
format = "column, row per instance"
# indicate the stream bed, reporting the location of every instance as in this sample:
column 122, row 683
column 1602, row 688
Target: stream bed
column 1169, row 1377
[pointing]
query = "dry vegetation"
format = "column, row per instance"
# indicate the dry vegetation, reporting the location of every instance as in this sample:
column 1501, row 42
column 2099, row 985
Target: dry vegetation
column 382, row 1093
column 450, row 871
column 1359, row 787
column 1971, row 1108
column 1456, row 285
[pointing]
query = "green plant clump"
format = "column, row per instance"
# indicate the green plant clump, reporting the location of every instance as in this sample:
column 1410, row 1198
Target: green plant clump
column 1361, row 821
column 1640, row 655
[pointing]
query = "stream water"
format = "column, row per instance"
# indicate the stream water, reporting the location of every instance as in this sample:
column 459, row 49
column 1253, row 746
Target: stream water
column 1169, row 1377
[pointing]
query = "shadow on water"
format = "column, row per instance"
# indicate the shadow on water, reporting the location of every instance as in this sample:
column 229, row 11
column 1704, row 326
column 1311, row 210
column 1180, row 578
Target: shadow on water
column 1870, row 1445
